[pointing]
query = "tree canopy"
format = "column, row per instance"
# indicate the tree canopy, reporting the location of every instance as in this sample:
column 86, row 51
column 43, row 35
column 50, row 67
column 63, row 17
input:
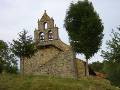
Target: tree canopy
column 23, row 46
column 8, row 61
column 84, row 28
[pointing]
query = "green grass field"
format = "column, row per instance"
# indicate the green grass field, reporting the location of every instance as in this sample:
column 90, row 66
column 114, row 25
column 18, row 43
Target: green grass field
column 17, row 82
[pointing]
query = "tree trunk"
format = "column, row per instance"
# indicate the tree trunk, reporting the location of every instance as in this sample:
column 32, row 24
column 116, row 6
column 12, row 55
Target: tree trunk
column 86, row 68
column 75, row 65
column 22, row 65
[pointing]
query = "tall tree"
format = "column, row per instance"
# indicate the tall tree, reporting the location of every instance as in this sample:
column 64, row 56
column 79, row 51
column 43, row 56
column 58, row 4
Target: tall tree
column 8, row 61
column 23, row 47
column 112, row 57
column 84, row 28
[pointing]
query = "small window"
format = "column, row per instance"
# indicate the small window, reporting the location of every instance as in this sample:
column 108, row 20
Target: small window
column 45, row 25
column 50, row 35
column 42, row 36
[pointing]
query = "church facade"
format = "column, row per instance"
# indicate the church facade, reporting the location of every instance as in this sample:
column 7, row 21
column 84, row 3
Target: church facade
column 53, row 57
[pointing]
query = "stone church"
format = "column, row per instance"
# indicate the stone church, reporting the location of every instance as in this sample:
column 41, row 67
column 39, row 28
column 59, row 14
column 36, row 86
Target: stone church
column 53, row 56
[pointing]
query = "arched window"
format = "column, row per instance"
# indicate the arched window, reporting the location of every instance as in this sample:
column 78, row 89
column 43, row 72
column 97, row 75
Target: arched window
column 50, row 35
column 42, row 36
column 45, row 25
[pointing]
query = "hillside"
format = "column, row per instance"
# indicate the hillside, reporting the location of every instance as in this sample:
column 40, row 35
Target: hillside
column 17, row 82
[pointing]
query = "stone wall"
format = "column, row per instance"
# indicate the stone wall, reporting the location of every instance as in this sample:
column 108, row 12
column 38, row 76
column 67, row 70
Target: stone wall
column 80, row 68
column 39, row 59
column 57, row 59
column 51, row 61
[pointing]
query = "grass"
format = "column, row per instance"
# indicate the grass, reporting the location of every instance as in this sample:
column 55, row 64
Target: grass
column 17, row 82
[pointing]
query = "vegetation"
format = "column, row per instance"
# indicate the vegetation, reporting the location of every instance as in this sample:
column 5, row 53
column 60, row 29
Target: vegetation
column 23, row 47
column 112, row 57
column 16, row 82
column 97, row 66
column 8, row 61
column 111, row 64
column 84, row 28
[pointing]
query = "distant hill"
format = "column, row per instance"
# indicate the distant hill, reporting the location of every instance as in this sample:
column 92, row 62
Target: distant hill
column 17, row 82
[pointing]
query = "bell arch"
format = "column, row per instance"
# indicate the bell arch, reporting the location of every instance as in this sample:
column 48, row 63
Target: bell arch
column 42, row 36
column 50, row 35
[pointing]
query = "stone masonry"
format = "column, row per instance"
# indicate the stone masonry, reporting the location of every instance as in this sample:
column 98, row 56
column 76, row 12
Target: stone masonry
column 53, row 56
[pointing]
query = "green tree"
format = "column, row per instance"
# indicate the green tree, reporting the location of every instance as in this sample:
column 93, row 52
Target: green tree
column 8, row 61
column 97, row 66
column 84, row 28
column 112, row 57
column 23, row 47
column 3, row 48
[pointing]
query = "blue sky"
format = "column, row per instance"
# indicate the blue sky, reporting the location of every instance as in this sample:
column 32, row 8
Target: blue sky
column 16, row 15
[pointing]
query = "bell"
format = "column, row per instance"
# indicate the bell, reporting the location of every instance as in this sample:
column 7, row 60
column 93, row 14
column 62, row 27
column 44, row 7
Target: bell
column 41, row 38
column 50, row 37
